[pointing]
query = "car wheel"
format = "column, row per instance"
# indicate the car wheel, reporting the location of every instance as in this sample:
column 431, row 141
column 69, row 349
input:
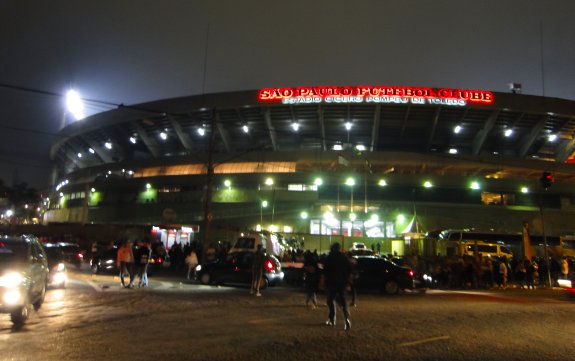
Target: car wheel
column 41, row 298
column 264, row 283
column 205, row 279
column 391, row 287
column 20, row 315
column 95, row 268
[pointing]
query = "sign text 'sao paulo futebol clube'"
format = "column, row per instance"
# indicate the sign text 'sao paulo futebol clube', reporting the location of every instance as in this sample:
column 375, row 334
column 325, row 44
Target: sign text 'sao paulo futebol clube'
column 375, row 94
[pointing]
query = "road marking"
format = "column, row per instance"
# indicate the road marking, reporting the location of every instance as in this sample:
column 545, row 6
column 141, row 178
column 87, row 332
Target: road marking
column 424, row 341
column 94, row 286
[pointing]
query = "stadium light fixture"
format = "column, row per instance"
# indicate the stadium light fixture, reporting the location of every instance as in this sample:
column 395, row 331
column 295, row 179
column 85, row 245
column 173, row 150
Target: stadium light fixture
column 74, row 104
column 457, row 129
column 295, row 126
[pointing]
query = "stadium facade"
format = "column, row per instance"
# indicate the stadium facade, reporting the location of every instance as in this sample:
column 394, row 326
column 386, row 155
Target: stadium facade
column 371, row 162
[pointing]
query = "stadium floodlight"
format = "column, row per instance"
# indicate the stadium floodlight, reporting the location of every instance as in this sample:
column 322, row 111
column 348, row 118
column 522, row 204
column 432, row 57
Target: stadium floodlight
column 74, row 104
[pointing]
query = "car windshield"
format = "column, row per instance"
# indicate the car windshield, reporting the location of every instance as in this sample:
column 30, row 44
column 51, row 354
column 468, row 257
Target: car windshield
column 54, row 253
column 12, row 251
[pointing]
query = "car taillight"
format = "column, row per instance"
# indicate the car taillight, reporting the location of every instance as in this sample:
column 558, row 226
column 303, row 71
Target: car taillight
column 410, row 273
column 270, row 266
column 80, row 256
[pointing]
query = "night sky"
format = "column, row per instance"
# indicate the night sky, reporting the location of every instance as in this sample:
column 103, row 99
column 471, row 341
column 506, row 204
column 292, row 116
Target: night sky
column 132, row 51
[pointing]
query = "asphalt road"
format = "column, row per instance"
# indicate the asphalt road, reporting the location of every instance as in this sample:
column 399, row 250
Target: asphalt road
column 96, row 319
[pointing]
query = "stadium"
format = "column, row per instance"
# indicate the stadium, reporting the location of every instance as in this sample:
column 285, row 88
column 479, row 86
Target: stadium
column 374, row 163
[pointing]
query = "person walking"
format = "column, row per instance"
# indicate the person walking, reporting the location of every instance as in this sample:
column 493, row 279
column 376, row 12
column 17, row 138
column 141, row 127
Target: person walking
column 311, row 272
column 564, row 267
column 503, row 273
column 143, row 256
column 191, row 262
column 257, row 270
column 337, row 271
column 125, row 263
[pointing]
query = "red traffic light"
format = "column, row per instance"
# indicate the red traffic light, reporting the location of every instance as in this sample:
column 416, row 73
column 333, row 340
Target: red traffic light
column 546, row 180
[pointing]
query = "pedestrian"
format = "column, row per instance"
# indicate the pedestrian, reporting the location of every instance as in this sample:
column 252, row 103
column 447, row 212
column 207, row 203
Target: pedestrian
column 564, row 267
column 352, row 278
column 311, row 273
column 503, row 273
column 257, row 270
column 125, row 263
column 529, row 274
column 337, row 271
column 191, row 262
column 143, row 256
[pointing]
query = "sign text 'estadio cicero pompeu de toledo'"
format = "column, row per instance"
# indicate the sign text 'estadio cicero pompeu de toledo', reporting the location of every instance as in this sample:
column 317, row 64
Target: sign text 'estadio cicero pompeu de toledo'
column 375, row 94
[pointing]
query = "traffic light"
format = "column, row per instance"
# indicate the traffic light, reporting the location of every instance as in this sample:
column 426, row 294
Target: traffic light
column 546, row 180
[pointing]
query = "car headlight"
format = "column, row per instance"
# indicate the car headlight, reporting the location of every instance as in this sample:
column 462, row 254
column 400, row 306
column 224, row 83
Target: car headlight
column 12, row 297
column 60, row 267
column 11, row 280
column 198, row 268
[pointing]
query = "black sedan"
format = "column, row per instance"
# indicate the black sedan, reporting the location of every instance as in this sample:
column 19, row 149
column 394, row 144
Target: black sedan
column 105, row 262
column 378, row 273
column 236, row 269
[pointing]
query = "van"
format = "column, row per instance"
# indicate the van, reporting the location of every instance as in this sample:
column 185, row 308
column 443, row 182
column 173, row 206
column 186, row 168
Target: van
column 486, row 249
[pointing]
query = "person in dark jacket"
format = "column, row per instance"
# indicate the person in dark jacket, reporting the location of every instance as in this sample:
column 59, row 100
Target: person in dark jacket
column 311, row 270
column 337, row 271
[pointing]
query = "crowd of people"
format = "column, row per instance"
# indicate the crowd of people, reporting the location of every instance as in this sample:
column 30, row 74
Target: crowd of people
column 489, row 272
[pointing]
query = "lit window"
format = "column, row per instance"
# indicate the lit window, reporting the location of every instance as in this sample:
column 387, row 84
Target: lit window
column 337, row 147
column 360, row 147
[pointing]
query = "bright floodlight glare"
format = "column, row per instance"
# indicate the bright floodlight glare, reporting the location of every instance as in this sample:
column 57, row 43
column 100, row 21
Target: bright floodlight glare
column 318, row 181
column 552, row 137
column 475, row 185
column 352, row 217
column 347, row 125
column 245, row 128
column 264, row 204
column 382, row 182
column 304, row 215
column 337, row 147
column 79, row 155
column 74, row 104
column 202, row 131
column 108, row 145
column 350, row 182
column 524, row 190
column 228, row 183
column 163, row 135
column 295, row 126
column 133, row 140
column 457, row 129
column 360, row 147
column 452, row 151
column 427, row 184
column 269, row 182
column 91, row 150
column 508, row 132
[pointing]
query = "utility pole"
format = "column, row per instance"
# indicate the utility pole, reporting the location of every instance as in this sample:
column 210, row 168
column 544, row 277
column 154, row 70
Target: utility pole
column 208, row 215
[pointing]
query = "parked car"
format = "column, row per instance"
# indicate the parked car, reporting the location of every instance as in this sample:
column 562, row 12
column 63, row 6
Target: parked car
column 105, row 262
column 71, row 252
column 23, row 276
column 58, row 272
column 381, row 274
column 236, row 269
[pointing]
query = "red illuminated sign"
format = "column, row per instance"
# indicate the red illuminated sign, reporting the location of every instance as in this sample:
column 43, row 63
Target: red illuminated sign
column 375, row 94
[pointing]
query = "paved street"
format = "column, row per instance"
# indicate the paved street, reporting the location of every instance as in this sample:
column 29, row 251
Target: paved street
column 95, row 319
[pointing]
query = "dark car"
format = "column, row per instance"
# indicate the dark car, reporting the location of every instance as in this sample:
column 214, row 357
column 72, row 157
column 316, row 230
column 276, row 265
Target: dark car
column 57, row 276
column 236, row 269
column 382, row 274
column 23, row 276
column 105, row 262
column 71, row 252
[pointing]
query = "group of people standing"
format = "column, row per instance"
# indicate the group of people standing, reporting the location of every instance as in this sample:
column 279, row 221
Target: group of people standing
column 133, row 259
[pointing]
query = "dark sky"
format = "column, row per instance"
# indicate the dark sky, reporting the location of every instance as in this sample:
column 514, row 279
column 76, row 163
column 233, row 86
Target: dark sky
column 131, row 51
